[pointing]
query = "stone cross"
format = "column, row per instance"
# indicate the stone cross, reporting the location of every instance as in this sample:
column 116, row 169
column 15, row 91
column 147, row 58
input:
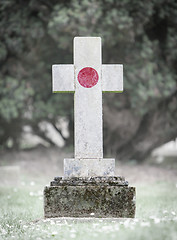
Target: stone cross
column 87, row 78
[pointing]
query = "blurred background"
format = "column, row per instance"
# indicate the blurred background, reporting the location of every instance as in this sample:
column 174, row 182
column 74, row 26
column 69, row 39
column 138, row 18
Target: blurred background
column 141, row 35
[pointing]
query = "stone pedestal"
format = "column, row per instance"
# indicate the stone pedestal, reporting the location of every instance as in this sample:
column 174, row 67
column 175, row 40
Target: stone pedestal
column 86, row 168
column 89, row 197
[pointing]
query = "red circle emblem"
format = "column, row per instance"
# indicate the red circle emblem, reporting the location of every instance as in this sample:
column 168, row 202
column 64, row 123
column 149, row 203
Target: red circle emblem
column 88, row 77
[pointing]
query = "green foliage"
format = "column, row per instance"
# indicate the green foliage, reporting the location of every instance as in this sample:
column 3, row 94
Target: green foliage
column 15, row 95
column 35, row 34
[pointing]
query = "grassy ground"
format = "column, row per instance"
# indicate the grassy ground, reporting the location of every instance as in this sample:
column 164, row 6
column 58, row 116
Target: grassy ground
column 21, row 211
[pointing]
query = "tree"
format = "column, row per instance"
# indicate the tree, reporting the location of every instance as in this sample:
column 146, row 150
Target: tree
column 141, row 35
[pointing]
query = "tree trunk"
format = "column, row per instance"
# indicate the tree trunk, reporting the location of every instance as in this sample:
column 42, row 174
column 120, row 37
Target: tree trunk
column 136, row 137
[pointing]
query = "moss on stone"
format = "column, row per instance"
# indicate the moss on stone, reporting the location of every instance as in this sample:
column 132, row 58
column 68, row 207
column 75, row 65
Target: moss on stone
column 81, row 201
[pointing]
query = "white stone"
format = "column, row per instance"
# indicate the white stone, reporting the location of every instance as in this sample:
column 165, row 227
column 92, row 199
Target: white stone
column 87, row 52
column 112, row 78
column 88, row 159
column 88, row 167
column 63, row 75
column 88, row 101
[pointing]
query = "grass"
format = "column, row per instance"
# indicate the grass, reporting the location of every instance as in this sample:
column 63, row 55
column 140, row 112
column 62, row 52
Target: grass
column 21, row 216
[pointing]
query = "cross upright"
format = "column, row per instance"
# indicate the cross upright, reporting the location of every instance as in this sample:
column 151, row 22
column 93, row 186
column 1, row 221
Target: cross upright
column 87, row 78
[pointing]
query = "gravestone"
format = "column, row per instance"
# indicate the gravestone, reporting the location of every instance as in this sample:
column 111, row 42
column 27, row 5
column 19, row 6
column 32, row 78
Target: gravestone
column 89, row 186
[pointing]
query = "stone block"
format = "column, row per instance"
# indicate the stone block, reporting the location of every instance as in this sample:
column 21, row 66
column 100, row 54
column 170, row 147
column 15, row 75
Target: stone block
column 89, row 197
column 89, row 167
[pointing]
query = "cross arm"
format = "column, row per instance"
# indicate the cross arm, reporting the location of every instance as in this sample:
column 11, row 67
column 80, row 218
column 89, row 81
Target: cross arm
column 112, row 78
column 63, row 78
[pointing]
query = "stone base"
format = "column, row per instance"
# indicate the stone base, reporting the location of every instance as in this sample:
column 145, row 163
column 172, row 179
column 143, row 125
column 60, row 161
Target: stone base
column 89, row 167
column 106, row 197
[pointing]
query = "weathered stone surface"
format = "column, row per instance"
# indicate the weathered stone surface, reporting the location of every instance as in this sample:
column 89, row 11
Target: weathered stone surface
column 89, row 167
column 82, row 192
column 93, row 199
column 88, row 104
column 113, row 72
column 63, row 75
column 98, row 181
column 88, row 101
